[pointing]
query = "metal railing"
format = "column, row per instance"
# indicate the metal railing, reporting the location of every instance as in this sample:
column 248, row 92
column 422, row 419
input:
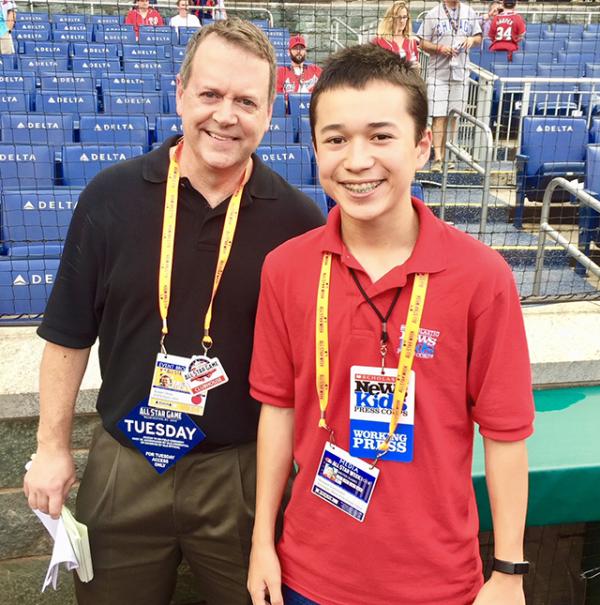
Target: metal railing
column 547, row 231
column 336, row 26
column 465, row 156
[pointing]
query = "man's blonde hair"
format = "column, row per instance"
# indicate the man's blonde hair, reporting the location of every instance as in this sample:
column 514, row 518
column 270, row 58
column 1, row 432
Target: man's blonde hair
column 242, row 34
column 387, row 26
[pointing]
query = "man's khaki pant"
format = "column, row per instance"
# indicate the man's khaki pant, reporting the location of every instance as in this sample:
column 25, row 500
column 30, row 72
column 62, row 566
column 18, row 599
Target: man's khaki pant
column 141, row 524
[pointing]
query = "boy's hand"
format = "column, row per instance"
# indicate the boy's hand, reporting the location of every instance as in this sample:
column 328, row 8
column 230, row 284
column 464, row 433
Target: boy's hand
column 264, row 576
column 501, row 589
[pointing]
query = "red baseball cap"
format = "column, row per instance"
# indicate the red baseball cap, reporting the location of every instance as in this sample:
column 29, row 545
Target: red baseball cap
column 297, row 40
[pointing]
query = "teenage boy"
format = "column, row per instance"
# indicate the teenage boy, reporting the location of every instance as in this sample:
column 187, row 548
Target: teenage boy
column 382, row 510
column 507, row 29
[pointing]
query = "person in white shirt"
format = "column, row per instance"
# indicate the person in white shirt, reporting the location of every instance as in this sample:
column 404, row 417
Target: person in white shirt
column 183, row 18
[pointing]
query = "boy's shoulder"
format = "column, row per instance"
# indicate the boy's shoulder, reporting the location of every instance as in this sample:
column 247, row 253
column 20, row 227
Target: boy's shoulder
column 297, row 251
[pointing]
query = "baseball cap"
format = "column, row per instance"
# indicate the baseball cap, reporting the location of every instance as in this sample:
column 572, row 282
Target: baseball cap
column 297, row 41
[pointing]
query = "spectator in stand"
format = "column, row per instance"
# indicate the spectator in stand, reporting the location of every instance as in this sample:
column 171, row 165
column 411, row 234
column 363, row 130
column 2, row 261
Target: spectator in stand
column 142, row 14
column 299, row 76
column 495, row 8
column 215, row 14
column 183, row 17
column 447, row 33
column 507, row 29
column 395, row 33
column 7, row 24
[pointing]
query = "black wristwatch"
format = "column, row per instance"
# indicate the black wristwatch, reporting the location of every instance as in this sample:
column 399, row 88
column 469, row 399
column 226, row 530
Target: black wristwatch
column 511, row 568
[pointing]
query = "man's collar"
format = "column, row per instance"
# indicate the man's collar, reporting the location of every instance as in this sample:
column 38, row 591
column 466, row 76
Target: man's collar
column 155, row 169
column 428, row 255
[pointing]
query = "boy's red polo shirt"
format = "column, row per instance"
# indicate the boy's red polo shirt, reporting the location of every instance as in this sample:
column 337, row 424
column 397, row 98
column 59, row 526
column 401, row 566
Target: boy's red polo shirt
column 418, row 543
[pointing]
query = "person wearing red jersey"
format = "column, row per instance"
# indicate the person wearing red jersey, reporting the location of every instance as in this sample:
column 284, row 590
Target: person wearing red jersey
column 299, row 76
column 142, row 14
column 507, row 29
column 381, row 339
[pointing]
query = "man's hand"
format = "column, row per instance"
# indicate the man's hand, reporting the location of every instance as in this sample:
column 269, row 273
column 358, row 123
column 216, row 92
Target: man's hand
column 48, row 481
column 501, row 589
column 264, row 576
column 446, row 51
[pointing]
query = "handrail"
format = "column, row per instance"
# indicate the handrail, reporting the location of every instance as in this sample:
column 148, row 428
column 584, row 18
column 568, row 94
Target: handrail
column 468, row 159
column 334, row 31
column 533, row 12
column 547, row 231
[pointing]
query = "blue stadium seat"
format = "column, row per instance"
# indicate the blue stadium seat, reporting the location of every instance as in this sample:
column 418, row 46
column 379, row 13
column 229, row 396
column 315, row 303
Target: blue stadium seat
column 281, row 132
column 282, row 56
column 35, row 222
column 535, row 30
column 589, row 219
column 292, row 162
column 571, row 30
column 23, row 35
column 45, row 49
column 70, row 26
column 68, row 18
column 178, row 53
column 17, row 82
column 167, row 126
column 37, row 129
column 95, row 50
column 8, row 63
column 124, row 35
column 303, row 132
column 118, row 103
column 555, row 98
column 146, row 52
column 80, row 163
column 32, row 17
column 185, row 33
column 96, row 67
column 14, row 101
column 50, row 64
column 168, row 82
column 583, row 46
column 25, row 285
column 592, row 70
column 106, row 19
column 140, row 67
column 69, row 102
column 128, row 83
column 114, row 130
column 62, row 35
column 578, row 58
column 553, row 35
column 158, row 35
column 279, row 107
column 542, row 48
column 67, row 82
column 277, row 32
column 26, row 166
column 299, row 103
column 550, row 147
column 318, row 196
column 41, row 27
column 591, row 34
column 169, row 102
column 261, row 23
column 595, row 131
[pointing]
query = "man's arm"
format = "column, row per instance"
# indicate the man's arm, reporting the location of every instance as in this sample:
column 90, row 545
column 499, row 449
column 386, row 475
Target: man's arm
column 436, row 49
column 506, row 473
column 52, row 473
column 274, row 460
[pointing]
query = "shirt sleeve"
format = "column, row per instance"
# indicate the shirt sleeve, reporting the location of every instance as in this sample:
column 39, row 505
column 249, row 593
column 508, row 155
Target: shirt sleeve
column 476, row 24
column 271, row 370
column 499, row 372
column 426, row 28
column 75, row 305
column 493, row 29
column 280, row 79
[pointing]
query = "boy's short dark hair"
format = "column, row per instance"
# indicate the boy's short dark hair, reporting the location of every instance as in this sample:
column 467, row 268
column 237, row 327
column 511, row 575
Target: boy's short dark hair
column 357, row 66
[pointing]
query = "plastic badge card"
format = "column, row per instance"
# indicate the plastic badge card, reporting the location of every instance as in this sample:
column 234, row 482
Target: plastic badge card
column 345, row 482
column 203, row 374
column 371, row 401
column 169, row 389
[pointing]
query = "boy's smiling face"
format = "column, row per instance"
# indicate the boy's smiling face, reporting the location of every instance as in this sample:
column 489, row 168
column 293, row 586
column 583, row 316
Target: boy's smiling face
column 366, row 149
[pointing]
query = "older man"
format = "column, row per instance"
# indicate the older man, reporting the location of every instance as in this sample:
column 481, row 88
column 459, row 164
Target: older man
column 161, row 268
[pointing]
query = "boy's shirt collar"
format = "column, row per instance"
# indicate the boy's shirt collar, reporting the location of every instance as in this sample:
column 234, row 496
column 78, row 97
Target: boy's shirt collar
column 428, row 255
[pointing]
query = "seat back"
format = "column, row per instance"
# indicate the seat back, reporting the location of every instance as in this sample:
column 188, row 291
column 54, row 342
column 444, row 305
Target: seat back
column 95, row 50
column 119, row 103
column 67, row 82
column 96, row 66
column 292, row 162
column 114, row 130
column 67, row 102
column 26, row 166
column 167, row 126
column 281, row 132
column 143, row 52
column 45, row 49
column 299, row 103
column 592, row 170
column 120, row 82
column 37, row 129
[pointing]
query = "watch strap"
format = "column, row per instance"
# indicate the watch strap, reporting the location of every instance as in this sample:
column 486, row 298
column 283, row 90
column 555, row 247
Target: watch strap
column 510, row 567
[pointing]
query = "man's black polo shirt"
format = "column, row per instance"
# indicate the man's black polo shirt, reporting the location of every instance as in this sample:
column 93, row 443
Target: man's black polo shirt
column 107, row 284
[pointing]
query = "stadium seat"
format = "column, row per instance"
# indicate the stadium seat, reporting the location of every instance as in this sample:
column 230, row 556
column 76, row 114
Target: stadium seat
column 128, row 83
column 26, row 166
column 299, row 103
column 141, row 67
column 167, row 126
column 33, row 17
column 8, row 63
column 124, row 35
column 14, row 101
column 119, row 103
column 25, row 285
column 68, row 102
column 583, row 46
column 37, row 129
column 145, row 52
column 178, row 53
column 318, row 196
column 591, row 34
column 80, row 163
column 261, row 23
column 292, row 162
column 595, row 131
column 535, row 30
column 35, row 222
column 542, row 48
column 169, row 103
column 279, row 107
column 67, row 82
column 553, row 35
column 550, row 147
column 589, row 219
column 68, row 18
column 48, row 64
column 41, row 30
column 96, row 66
column 555, row 98
column 578, row 58
column 168, row 82
column 70, row 26
column 106, row 19
column 95, row 50
column 158, row 35
column 592, row 70
column 281, row 132
column 17, row 82
column 45, row 49
column 64, row 35
column 114, row 130
column 303, row 132
column 185, row 33
column 571, row 30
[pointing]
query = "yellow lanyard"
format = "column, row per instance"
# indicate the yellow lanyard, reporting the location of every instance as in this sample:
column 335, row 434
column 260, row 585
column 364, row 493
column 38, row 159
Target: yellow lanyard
column 407, row 354
column 168, row 244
